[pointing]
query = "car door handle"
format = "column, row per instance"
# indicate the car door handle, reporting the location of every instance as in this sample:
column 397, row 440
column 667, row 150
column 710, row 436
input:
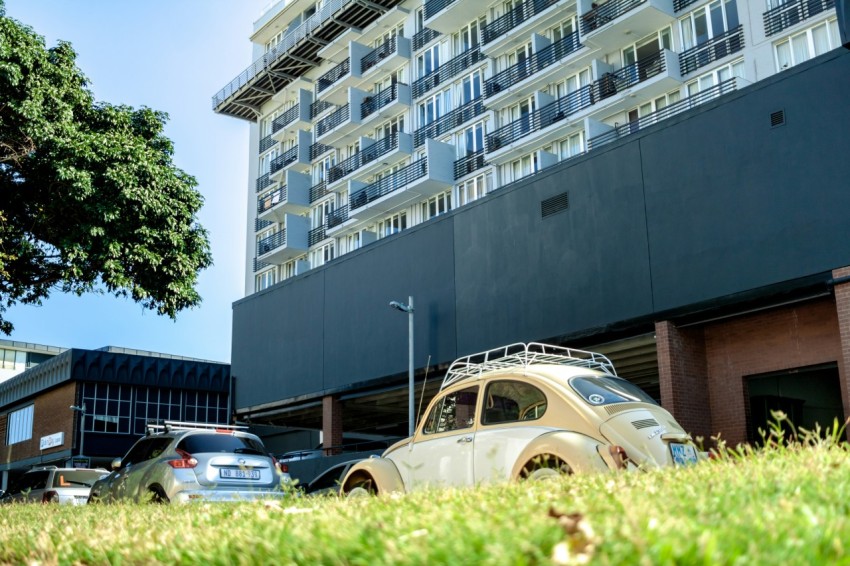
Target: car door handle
column 464, row 439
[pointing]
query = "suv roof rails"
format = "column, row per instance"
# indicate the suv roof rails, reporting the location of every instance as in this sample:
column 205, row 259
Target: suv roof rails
column 167, row 426
column 522, row 355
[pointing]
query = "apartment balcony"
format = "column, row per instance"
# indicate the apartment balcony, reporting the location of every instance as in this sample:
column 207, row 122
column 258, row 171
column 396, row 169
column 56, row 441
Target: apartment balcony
column 387, row 103
column 449, row 121
column 522, row 20
column 292, row 197
column 295, row 55
column 549, row 63
column 296, row 157
column 264, row 181
column 295, row 118
column 316, row 235
column 792, row 13
column 372, row 157
column 333, row 85
column 643, row 80
column 319, row 191
column 445, row 72
column 679, row 5
column 287, row 243
column 432, row 174
column 712, row 50
column 445, row 16
column 469, row 164
column 608, row 26
column 423, row 37
column 348, row 122
column 389, row 55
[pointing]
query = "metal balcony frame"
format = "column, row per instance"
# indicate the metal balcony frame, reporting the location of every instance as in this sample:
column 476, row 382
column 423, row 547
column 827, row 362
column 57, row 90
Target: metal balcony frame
column 446, row 71
column 514, row 17
column 792, row 13
column 448, row 121
column 715, row 48
column 609, row 11
column 547, row 56
column 388, row 184
column 363, row 157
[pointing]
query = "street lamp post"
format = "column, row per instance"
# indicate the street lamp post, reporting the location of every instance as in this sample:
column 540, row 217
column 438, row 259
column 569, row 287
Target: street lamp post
column 408, row 308
column 82, row 411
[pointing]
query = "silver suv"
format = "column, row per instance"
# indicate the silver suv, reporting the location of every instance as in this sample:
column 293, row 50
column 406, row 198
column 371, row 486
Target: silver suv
column 49, row 484
column 189, row 462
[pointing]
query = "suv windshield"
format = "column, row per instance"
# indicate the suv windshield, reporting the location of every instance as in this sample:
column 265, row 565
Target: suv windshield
column 205, row 443
column 607, row 390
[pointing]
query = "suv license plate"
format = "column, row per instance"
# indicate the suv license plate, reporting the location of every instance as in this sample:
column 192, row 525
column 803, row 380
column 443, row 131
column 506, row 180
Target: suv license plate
column 239, row 474
column 683, row 454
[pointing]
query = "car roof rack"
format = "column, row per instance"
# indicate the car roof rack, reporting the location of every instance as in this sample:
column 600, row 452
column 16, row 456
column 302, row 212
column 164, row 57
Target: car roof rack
column 522, row 355
column 168, row 426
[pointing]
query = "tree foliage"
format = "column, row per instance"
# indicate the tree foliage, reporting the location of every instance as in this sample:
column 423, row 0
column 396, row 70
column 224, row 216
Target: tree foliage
column 90, row 199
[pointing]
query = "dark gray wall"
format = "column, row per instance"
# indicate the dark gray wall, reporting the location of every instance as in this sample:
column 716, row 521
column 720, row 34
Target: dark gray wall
column 702, row 206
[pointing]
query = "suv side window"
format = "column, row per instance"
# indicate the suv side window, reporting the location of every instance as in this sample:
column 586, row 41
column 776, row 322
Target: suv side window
column 145, row 450
column 30, row 481
column 454, row 411
column 511, row 401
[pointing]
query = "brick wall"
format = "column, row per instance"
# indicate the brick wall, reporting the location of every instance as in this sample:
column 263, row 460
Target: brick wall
column 51, row 414
column 842, row 309
column 331, row 422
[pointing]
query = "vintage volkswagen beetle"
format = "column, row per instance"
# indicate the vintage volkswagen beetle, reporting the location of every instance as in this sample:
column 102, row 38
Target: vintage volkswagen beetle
column 527, row 411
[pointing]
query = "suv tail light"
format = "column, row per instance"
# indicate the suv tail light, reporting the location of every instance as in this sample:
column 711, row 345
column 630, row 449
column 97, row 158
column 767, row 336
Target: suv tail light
column 283, row 468
column 50, row 497
column 186, row 461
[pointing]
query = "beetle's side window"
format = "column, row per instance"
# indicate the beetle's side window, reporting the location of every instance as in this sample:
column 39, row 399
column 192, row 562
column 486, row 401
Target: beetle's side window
column 454, row 411
column 510, row 401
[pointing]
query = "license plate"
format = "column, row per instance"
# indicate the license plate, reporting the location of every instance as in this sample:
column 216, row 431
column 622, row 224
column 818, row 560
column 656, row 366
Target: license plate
column 231, row 474
column 683, row 454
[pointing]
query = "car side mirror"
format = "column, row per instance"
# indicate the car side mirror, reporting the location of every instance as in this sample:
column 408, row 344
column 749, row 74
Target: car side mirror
column 116, row 464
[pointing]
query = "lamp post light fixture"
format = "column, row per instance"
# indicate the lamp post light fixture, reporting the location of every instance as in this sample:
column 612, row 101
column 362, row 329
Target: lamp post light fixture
column 82, row 411
column 408, row 308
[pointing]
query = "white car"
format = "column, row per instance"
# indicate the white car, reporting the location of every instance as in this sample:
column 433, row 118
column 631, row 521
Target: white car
column 50, row 484
column 527, row 411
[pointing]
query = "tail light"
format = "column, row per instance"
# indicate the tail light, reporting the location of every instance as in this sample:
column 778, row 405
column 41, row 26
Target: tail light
column 50, row 497
column 283, row 468
column 186, row 461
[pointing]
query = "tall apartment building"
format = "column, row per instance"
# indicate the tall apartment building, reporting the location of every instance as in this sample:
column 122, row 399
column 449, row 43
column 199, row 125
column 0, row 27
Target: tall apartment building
column 371, row 117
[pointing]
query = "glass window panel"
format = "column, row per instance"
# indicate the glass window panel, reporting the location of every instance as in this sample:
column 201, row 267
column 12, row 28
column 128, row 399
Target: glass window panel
column 732, row 21
column 800, row 48
column 820, row 38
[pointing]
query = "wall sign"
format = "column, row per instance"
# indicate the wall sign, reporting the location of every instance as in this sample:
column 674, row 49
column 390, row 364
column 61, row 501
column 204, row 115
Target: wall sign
column 52, row 441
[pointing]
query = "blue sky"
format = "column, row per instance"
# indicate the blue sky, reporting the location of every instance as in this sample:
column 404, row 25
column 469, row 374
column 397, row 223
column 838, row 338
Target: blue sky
column 170, row 55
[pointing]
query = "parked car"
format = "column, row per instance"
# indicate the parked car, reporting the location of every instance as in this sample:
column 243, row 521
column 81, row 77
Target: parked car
column 527, row 411
column 50, row 484
column 330, row 481
column 182, row 462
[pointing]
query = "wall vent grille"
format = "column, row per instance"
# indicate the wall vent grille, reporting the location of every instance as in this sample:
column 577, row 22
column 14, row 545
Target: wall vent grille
column 777, row 118
column 554, row 205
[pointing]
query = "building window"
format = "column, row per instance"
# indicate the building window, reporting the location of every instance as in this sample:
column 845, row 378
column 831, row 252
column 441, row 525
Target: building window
column 321, row 255
column 437, row 205
column 520, row 168
column 434, row 106
column 107, row 407
column 265, row 280
column 652, row 106
column 13, row 359
column 428, row 61
column 717, row 76
column 206, row 407
column 709, row 21
column 392, row 224
column 807, row 44
column 572, row 146
column 19, row 425
column 155, row 404
column 472, row 189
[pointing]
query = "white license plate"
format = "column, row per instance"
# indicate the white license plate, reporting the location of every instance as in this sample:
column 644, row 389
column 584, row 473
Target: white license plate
column 232, row 474
column 683, row 454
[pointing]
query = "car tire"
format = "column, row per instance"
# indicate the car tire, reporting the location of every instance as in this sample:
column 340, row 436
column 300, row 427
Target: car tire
column 158, row 496
column 543, row 468
column 361, row 486
column 358, row 492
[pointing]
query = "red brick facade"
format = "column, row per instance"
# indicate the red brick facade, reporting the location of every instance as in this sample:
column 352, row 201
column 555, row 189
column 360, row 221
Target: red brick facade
column 51, row 414
column 331, row 421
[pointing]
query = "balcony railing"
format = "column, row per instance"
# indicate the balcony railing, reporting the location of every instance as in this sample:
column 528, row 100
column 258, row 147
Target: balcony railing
column 318, row 107
column 608, row 11
column 448, row 121
column 316, row 235
column 260, row 225
column 717, row 90
column 284, row 159
column 466, row 165
column 444, row 72
column 318, row 149
column 258, row 265
column 388, row 184
column 682, row 4
column 372, row 104
column 716, row 48
column 285, row 119
column 318, row 190
column 272, row 199
column 362, row 157
column 328, row 79
column 264, row 181
column 266, row 142
column 434, row 6
column 274, row 241
column 337, row 217
column 378, row 54
column 547, row 56
column 423, row 36
column 330, row 122
column 631, row 75
column 793, row 12
column 511, row 19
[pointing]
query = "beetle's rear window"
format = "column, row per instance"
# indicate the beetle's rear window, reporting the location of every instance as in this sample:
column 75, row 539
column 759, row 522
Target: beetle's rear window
column 607, row 390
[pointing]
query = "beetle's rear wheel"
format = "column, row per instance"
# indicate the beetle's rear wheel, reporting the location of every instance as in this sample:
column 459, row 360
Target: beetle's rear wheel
column 544, row 467
column 361, row 486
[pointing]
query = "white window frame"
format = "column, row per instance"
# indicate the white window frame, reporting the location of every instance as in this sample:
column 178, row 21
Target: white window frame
column 19, row 425
column 786, row 53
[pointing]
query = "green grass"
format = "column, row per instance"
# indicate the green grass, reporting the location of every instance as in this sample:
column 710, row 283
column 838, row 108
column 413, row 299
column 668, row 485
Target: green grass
column 780, row 505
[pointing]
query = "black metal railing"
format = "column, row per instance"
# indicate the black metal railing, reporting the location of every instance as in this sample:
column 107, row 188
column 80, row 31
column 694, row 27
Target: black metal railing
column 362, row 157
column 388, row 184
column 316, row 235
column 274, row 241
column 514, row 17
column 378, row 54
column 715, row 48
column 682, row 4
column 333, row 120
column 631, row 75
column 264, row 181
column 423, row 36
column 434, row 6
column 448, row 70
column 271, row 200
column 318, row 190
column 318, row 149
column 318, row 107
column 328, row 79
column 466, row 165
column 285, row 119
column 258, row 265
column 448, row 121
column 549, row 55
column 266, row 143
column 793, row 12
column 337, row 217
column 260, row 225
column 601, row 15
column 287, row 157
column 678, row 107
column 372, row 104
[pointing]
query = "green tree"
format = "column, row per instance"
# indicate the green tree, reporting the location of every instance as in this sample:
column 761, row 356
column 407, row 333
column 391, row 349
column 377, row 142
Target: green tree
column 90, row 200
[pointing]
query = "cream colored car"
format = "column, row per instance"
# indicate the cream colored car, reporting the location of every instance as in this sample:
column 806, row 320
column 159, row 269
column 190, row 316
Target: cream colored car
column 527, row 411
